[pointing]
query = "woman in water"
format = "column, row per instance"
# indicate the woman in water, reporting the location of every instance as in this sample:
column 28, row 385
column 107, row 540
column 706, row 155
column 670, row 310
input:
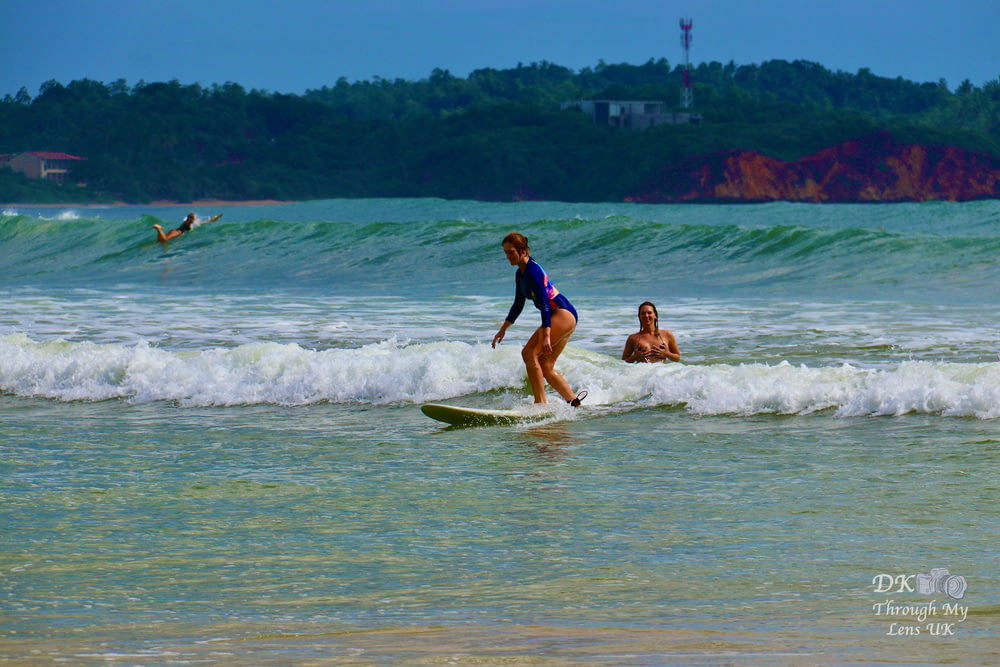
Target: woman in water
column 186, row 226
column 650, row 344
column 558, row 321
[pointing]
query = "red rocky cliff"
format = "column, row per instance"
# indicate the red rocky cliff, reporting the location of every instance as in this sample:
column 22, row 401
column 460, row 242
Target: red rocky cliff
column 870, row 169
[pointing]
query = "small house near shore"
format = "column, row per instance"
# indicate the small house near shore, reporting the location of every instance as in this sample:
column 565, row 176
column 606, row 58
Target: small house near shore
column 48, row 165
column 636, row 114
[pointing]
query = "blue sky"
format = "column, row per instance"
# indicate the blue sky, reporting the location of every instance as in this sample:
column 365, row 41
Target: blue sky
column 289, row 46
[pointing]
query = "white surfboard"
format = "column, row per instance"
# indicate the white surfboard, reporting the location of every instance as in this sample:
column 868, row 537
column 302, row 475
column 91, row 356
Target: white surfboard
column 459, row 416
column 198, row 222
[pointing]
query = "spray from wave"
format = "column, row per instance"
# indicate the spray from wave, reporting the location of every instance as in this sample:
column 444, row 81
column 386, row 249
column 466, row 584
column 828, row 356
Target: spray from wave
column 389, row 372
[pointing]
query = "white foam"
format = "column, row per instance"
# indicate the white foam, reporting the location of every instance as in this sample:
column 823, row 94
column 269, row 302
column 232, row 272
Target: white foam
column 284, row 374
column 394, row 372
column 66, row 215
column 948, row 389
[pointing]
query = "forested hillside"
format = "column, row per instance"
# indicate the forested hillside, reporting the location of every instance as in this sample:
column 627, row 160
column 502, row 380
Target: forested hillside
column 497, row 134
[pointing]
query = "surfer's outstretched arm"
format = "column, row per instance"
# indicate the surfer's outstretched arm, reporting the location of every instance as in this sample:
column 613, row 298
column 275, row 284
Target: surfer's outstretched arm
column 501, row 333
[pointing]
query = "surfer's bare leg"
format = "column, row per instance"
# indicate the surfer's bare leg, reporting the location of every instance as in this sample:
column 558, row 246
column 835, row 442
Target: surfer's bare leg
column 536, row 376
column 163, row 238
column 160, row 236
column 563, row 326
column 541, row 365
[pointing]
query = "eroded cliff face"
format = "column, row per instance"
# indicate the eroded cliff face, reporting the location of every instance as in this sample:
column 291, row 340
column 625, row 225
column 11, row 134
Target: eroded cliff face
column 870, row 169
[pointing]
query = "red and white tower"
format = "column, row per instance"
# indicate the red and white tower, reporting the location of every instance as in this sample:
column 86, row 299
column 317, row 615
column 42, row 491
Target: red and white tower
column 687, row 97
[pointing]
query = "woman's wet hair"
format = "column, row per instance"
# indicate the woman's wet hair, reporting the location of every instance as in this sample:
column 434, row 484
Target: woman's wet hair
column 519, row 241
column 656, row 315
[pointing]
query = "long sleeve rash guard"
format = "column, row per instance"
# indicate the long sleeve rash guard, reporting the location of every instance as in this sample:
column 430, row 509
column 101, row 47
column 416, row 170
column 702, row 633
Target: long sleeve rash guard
column 534, row 284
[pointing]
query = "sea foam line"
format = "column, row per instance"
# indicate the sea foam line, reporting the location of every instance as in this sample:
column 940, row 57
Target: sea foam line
column 393, row 372
column 283, row 374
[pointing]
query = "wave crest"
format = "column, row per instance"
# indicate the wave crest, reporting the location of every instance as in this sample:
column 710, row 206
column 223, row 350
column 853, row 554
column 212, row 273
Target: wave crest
column 766, row 249
column 393, row 372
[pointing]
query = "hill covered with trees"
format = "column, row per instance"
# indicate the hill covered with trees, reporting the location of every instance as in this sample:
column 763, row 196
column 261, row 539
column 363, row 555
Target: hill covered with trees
column 494, row 135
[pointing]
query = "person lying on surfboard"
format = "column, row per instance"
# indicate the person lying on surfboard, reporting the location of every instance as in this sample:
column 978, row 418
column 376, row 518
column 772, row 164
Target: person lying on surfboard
column 558, row 321
column 190, row 221
column 650, row 344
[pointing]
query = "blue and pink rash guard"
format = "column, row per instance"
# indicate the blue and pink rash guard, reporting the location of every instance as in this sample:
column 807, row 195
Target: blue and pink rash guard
column 533, row 283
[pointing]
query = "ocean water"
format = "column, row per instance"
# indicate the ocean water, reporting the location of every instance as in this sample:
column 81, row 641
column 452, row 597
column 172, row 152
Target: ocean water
column 213, row 453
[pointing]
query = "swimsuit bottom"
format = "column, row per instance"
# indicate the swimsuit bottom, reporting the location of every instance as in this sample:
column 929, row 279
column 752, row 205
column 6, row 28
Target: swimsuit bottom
column 561, row 302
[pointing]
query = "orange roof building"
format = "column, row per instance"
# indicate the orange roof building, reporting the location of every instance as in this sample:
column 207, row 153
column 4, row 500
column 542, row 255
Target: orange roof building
column 49, row 165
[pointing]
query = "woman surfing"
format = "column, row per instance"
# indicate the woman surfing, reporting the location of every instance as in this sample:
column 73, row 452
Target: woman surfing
column 559, row 320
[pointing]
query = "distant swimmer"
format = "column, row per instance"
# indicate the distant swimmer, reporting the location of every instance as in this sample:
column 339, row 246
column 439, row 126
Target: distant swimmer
column 190, row 221
column 558, row 321
column 650, row 344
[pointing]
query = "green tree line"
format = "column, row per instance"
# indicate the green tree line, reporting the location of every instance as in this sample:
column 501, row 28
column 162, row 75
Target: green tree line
column 494, row 135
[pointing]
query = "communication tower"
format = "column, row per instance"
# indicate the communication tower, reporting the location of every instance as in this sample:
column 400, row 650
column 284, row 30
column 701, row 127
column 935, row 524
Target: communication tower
column 687, row 97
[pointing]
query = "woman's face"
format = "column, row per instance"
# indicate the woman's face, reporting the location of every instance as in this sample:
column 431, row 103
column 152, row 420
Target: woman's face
column 512, row 254
column 647, row 316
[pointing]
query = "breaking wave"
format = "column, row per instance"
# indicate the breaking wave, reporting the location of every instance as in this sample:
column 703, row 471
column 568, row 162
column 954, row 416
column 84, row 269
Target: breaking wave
column 390, row 372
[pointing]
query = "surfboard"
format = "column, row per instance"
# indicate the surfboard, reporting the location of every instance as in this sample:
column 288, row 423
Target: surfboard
column 460, row 416
column 198, row 222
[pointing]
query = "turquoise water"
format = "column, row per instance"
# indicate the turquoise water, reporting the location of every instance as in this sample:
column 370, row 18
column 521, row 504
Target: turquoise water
column 213, row 452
